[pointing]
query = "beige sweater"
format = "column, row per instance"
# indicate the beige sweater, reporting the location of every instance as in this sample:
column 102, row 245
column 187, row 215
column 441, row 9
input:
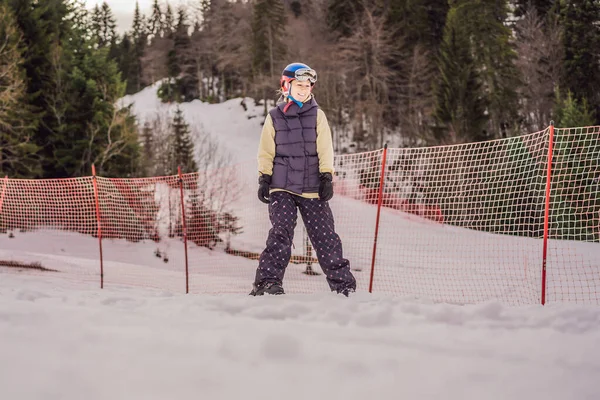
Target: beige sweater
column 266, row 148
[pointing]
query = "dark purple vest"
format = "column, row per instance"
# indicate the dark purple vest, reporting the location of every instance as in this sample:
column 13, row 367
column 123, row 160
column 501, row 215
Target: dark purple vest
column 296, row 163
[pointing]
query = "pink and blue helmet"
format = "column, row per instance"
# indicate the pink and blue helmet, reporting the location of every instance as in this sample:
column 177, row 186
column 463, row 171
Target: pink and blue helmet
column 298, row 71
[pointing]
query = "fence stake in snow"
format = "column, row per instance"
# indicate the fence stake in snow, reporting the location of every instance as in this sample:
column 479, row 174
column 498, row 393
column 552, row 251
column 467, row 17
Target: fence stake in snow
column 547, row 210
column 379, row 201
column 184, row 225
column 5, row 183
column 95, row 183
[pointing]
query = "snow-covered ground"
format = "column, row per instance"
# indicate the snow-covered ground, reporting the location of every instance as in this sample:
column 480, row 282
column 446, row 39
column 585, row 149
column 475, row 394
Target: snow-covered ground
column 67, row 342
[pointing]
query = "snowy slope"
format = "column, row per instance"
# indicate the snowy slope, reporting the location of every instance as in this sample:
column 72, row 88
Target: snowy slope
column 236, row 129
column 72, row 343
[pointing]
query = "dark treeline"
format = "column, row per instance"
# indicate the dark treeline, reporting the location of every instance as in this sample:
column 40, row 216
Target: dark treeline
column 408, row 72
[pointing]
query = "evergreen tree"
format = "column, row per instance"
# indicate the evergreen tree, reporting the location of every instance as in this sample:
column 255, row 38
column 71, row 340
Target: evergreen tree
column 576, row 162
column 268, row 28
column 418, row 22
column 96, row 22
column 138, row 29
column 181, row 45
column 155, row 22
column 343, row 16
column 460, row 109
column 181, row 55
column 73, row 88
column 571, row 113
column 168, row 23
column 182, row 150
column 139, row 37
column 108, row 28
column 580, row 21
column 18, row 156
column 489, row 43
column 125, row 58
column 417, row 29
column 45, row 27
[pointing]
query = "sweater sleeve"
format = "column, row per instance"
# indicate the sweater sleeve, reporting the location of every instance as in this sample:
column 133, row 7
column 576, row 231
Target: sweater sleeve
column 324, row 143
column 266, row 148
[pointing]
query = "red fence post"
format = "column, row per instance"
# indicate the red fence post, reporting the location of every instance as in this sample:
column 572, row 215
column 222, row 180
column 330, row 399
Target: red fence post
column 547, row 210
column 187, row 279
column 5, row 183
column 95, row 183
column 379, row 201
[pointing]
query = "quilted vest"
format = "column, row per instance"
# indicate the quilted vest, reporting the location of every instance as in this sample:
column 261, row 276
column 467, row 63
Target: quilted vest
column 296, row 162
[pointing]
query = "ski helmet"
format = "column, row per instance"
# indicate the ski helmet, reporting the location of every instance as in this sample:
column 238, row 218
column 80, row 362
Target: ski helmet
column 298, row 71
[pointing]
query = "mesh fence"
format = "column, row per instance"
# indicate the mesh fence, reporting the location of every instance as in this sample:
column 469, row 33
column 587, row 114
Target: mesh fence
column 462, row 224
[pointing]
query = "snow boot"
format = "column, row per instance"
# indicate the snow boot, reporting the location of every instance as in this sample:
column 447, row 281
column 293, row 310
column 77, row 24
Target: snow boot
column 346, row 292
column 267, row 288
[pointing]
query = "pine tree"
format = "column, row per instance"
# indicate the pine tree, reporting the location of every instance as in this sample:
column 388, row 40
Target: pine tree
column 108, row 31
column 139, row 37
column 343, row 16
column 580, row 21
column 155, row 22
column 182, row 150
column 417, row 29
column 185, row 65
column 73, row 88
column 576, row 201
column 138, row 29
column 269, row 44
column 17, row 151
column 96, row 22
column 483, row 22
column 571, row 113
column 418, row 22
column 460, row 109
column 168, row 23
column 45, row 27
column 125, row 58
column 181, row 45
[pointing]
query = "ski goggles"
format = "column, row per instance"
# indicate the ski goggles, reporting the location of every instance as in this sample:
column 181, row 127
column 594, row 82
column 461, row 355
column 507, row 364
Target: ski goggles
column 304, row 74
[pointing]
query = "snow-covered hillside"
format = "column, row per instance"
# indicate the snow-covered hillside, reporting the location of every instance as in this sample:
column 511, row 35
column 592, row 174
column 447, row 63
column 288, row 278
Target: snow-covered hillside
column 71, row 343
column 236, row 128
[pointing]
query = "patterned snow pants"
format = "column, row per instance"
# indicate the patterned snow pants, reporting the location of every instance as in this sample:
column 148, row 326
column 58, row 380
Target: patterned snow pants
column 318, row 220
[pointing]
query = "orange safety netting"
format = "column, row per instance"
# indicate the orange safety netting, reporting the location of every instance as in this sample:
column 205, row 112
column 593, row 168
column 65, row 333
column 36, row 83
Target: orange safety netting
column 464, row 224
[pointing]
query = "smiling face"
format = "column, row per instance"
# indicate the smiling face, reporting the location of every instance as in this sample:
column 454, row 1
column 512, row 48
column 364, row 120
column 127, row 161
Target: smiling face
column 300, row 90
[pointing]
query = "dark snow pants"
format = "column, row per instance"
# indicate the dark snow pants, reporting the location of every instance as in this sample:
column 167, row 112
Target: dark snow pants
column 318, row 220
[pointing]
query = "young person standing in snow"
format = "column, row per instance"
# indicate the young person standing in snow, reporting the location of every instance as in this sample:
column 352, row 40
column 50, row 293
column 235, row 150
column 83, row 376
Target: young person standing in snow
column 295, row 164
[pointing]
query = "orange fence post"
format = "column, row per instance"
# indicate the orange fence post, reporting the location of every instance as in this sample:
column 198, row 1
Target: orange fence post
column 5, row 183
column 95, row 183
column 187, row 279
column 379, row 201
column 547, row 210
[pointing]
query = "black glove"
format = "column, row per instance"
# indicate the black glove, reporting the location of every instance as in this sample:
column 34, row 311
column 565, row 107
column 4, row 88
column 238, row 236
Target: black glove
column 326, row 187
column 264, row 181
